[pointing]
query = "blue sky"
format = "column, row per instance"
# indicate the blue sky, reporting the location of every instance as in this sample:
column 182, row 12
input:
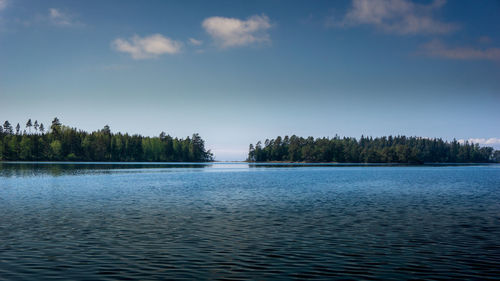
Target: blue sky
column 239, row 71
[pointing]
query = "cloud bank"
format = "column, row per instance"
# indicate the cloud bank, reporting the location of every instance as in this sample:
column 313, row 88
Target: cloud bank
column 195, row 42
column 147, row 47
column 232, row 32
column 57, row 17
column 395, row 16
column 436, row 48
column 482, row 141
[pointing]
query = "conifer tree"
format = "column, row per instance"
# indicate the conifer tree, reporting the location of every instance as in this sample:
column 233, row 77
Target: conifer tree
column 29, row 125
column 7, row 127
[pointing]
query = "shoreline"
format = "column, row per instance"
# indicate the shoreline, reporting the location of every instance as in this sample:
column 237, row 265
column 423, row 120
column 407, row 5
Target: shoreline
column 371, row 163
column 271, row 163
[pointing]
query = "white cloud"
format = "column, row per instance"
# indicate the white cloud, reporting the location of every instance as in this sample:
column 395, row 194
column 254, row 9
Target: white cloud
column 482, row 141
column 57, row 17
column 195, row 42
column 147, row 47
column 232, row 32
column 436, row 48
column 395, row 16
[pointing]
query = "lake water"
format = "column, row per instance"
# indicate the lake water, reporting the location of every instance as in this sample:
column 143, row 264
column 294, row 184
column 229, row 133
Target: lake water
column 239, row 221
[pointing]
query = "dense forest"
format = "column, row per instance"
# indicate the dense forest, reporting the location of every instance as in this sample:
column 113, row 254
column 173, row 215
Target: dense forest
column 391, row 149
column 62, row 143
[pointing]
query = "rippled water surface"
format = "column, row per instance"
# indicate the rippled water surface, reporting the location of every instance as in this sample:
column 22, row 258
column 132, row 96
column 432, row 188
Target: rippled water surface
column 235, row 221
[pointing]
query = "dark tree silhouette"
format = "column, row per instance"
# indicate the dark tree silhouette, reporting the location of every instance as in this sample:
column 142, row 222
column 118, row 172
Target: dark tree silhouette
column 398, row 149
column 70, row 144
column 7, row 127
column 29, row 125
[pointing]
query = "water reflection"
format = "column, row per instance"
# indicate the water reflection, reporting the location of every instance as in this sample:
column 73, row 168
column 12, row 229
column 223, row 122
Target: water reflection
column 27, row 169
column 291, row 165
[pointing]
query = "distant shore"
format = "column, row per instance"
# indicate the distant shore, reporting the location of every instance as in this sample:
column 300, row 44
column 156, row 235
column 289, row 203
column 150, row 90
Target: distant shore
column 370, row 163
column 385, row 149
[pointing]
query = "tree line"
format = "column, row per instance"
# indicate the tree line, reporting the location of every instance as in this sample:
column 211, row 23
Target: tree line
column 63, row 143
column 391, row 149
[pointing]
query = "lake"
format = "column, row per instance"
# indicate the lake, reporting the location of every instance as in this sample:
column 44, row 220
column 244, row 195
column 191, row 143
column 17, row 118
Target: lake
column 90, row 221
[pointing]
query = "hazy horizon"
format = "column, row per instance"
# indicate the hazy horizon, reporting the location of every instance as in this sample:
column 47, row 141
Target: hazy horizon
column 240, row 72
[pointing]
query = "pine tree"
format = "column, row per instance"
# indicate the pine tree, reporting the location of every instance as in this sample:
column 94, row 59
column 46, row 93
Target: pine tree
column 8, row 128
column 56, row 126
column 29, row 125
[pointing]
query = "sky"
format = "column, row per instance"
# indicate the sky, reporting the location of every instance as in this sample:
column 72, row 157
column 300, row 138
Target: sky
column 237, row 72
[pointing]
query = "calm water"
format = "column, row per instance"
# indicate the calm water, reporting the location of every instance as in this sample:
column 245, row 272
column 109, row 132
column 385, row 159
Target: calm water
column 234, row 221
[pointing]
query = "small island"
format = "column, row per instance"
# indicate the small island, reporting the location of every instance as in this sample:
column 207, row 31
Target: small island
column 388, row 149
column 62, row 143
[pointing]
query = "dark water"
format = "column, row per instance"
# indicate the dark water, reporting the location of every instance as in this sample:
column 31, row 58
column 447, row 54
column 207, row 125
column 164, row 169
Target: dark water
column 234, row 221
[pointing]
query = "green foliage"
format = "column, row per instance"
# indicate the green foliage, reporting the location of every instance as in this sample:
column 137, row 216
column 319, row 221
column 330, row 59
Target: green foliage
column 399, row 149
column 496, row 156
column 25, row 148
column 69, row 144
column 55, row 150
